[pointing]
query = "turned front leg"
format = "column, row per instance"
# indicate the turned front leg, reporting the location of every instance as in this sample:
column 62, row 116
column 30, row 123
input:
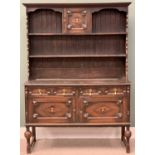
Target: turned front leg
column 122, row 132
column 28, row 135
column 34, row 133
column 128, row 135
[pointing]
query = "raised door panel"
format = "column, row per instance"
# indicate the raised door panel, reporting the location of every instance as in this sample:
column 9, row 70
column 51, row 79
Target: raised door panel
column 49, row 109
column 101, row 109
column 77, row 20
column 105, row 104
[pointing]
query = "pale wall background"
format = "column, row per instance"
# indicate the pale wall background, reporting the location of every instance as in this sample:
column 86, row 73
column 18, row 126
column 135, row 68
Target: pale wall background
column 23, row 48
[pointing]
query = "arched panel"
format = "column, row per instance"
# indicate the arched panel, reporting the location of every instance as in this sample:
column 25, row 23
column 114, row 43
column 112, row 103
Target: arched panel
column 45, row 21
column 109, row 20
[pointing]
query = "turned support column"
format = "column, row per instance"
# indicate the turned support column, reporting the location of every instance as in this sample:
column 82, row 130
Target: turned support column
column 34, row 133
column 28, row 135
column 122, row 133
column 127, row 136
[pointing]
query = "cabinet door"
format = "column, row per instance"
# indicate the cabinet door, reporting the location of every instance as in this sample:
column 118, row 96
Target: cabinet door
column 77, row 20
column 102, row 109
column 51, row 109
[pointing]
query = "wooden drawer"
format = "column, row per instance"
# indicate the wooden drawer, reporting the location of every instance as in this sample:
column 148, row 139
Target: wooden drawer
column 104, row 90
column 77, row 20
column 51, row 109
column 51, row 91
column 102, row 109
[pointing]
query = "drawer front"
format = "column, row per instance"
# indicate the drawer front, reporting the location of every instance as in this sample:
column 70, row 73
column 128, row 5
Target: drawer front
column 106, row 90
column 101, row 109
column 50, row 91
column 49, row 109
column 77, row 20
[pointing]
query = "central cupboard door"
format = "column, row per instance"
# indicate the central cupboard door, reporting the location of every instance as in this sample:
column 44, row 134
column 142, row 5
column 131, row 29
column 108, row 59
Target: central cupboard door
column 77, row 20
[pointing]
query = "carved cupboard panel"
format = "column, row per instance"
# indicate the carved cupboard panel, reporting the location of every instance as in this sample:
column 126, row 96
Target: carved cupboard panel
column 51, row 109
column 77, row 20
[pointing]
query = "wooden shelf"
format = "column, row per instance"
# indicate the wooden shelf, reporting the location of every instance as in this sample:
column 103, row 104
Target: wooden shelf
column 76, row 34
column 77, row 56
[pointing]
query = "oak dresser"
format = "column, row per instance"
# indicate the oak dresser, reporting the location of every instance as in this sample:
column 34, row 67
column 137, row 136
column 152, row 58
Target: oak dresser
column 78, row 67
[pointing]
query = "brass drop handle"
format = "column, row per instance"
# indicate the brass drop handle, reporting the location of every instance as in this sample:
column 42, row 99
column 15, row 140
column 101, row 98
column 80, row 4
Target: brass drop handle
column 34, row 102
column 68, row 115
column 35, row 115
column 90, row 92
column 64, row 93
column 85, row 115
column 119, row 102
column 99, row 92
column 73, row 92
column 48, row 92
column 74, row 110
column 69, row 12
column 39, row 91
column 69, row 102
column 80, row 111
column 106, row 91
column 119, row 115
column 85, row 102
column 84, row 11
column 69, row 26
column 84, row 26
column 81, row 92
column 103, row 109
column 54, row 92
column 52, row 109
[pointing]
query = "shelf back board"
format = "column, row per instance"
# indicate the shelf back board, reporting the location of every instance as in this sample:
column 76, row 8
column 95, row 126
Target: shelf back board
column 55, row 45
column 45, row 21
column 82, row 68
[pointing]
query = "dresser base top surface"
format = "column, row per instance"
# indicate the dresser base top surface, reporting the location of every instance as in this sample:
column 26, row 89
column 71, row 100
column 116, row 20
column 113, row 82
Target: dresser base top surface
column 74, row 82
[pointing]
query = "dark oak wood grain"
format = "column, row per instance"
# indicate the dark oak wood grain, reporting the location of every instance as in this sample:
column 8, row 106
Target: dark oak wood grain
column 75, row 44
column 51, row 109
column 109, row 20
column 77, row 67
column 83, row 68
column 45, row 21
